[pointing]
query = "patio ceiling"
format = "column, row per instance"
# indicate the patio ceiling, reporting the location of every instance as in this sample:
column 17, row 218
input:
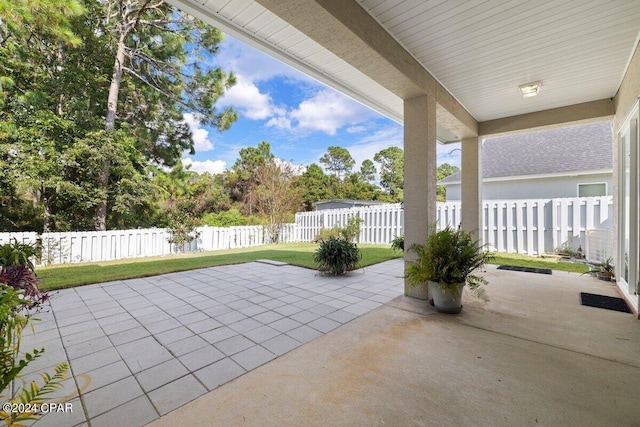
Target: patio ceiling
column 476, row 52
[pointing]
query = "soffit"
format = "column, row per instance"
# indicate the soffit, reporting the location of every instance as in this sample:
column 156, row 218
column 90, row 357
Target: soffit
column 480, row 51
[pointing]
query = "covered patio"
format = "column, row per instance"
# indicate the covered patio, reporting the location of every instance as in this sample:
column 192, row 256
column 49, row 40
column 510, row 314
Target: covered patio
column 453, row 71
column 260, row 344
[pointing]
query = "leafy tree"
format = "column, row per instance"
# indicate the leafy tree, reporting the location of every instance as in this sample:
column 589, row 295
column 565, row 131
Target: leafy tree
column 243, row 179
column 367, row 171
column 276, row 195
column 157, row 77
column 338, row 160
column 391, row 162
column 314, row 185
column 444, row 170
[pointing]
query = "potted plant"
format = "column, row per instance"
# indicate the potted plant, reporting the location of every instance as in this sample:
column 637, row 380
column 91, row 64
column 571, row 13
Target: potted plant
column 446, row 264
column 603, row 271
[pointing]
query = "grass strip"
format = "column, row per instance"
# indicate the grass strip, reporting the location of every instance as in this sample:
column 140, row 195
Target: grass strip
column 518, row 260
column 299, row 254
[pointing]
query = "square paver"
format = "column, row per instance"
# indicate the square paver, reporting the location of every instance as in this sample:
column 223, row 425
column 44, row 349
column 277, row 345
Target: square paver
column 285, row 325
column 324, row 325
column 94, row 361
column 173, row 335
column 141, row 361
column 304, row 316
column 341, row 316
column 230, row 317
column 187, row 345
column 218, row 334
column 175, row 394
column 234, row 345
column 200, row 358
column 322, row 309
column 204, row 325
column 137, row 412
column 106, row 398
column 287, row 310
column 253, row 357
column 88, row 347
column 161, row 374
column 281, row 344
column 304, row 334
column 245, row 325
column 129, row 335
column 219, row 373
column 64, row 419
column 267, row 317
column 192, row 317
column 103, row 376
column 261, row 334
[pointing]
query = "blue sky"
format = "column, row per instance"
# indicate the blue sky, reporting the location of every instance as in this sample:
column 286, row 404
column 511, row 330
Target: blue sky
column 299, row 116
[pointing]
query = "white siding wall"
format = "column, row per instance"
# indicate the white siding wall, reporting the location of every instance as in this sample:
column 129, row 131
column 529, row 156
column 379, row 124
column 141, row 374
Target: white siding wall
column 541, row 188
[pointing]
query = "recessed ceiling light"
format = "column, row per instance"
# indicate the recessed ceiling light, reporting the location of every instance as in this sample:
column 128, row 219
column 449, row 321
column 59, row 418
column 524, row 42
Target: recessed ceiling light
column 530, row 89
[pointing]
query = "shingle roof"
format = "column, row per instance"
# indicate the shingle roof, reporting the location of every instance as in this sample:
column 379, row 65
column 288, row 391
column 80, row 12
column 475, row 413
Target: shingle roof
column 556, row 151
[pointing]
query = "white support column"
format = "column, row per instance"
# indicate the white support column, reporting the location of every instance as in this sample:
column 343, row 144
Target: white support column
column 419, row 175
column 471, row 186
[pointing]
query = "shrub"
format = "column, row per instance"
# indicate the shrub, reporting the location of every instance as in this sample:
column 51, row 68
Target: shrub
column 397, row 244
column 13, row 360
column 348, row 232
column 337, row 256
column 17, row 270
column 326, row 233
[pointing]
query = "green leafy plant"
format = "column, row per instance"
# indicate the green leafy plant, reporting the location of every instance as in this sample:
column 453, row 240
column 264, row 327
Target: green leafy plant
column 12, row 360
column 18, row 254
column 397, row 244
column 352, row 229
column 181, row 229
column 348, row 232
column 17, row 270
column 337, row 256
column 450, row 257
column 603, row 270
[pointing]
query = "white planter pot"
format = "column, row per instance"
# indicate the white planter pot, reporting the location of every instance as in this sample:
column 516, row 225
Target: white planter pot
column 443, row 301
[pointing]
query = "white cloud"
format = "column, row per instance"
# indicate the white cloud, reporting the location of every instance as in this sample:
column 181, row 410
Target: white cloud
column 356, row 129
column 211, row 166
column 326, row 111
column 246, row 97
column 201, row 140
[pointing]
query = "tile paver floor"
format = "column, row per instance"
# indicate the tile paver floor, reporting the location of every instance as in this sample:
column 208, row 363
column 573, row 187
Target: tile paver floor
column 141, row 348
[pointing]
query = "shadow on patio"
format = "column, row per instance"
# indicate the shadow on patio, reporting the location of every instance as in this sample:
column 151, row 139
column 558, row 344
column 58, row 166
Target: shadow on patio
column 531, row 356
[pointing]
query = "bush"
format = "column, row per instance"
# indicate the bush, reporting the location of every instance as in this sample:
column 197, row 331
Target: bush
column 337, row 256
column 17, row 270
column 348, row 232
column 13, row 360
column 397, row 244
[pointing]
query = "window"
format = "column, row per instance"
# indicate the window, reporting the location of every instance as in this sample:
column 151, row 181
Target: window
column 592, row 190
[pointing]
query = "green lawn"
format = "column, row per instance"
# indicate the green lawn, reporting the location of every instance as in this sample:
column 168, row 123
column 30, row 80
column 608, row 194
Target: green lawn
column 527, row 261
column 300, row 254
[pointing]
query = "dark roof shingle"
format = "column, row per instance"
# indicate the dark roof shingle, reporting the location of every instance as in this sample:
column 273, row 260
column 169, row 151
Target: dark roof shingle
column 562, row 150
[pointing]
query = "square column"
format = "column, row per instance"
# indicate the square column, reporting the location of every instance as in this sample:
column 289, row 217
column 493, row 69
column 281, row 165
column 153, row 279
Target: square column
column 471, row 187
column 419, row 176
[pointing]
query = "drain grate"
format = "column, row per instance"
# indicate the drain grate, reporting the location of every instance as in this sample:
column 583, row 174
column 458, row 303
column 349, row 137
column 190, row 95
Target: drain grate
column 603, row 301
column 525, row 269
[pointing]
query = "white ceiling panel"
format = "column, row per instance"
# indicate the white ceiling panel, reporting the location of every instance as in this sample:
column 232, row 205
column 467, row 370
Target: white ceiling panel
column 479, row 50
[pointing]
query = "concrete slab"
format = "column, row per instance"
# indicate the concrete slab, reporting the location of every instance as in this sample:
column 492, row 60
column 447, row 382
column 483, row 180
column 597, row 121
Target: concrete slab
column 531, row 356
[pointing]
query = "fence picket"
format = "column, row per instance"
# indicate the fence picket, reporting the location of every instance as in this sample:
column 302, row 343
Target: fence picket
column 524, row 226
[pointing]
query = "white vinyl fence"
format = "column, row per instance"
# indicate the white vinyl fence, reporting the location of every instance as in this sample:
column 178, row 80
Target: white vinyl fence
column 518, row 226
column 92, row 246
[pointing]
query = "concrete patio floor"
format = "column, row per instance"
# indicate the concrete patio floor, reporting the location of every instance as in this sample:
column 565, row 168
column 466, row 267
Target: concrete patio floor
column 141, row 348
column 531, row 356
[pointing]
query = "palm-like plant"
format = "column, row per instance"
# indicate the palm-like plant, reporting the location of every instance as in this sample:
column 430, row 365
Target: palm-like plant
column 450, row 257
